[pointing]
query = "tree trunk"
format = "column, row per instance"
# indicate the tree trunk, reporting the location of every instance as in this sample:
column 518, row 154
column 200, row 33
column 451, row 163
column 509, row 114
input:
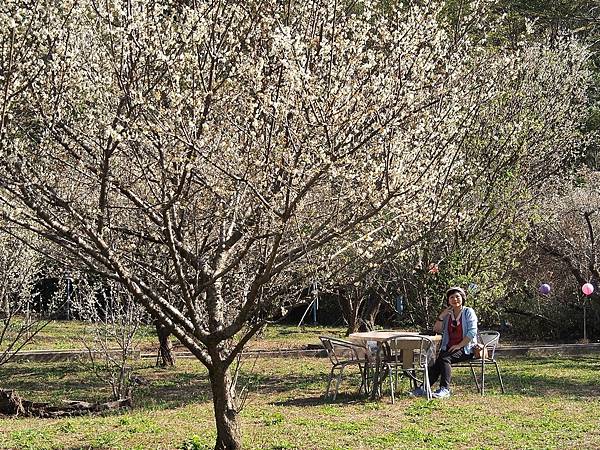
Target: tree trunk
column 5, row 308
column 370, row 310
column 353, row 321
column 229, row 436
column 350, row 311
column 166, row 356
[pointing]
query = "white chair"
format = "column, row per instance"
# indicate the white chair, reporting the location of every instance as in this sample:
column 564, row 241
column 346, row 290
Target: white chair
column 412, row 354
column 489, row 340
column 342, row 354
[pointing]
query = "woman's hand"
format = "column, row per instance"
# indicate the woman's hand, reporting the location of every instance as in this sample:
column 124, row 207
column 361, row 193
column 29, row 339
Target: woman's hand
column 444, row 313
column 455, row 348
column 439, row 321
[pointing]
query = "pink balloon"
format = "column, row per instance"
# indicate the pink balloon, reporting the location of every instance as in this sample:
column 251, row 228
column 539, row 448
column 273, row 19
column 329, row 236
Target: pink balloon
column 587, row 288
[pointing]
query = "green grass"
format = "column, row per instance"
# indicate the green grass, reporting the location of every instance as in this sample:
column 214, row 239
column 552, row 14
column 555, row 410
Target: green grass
column 552, row 403
column 292, row 337
column 66, row 335
column 62, row 335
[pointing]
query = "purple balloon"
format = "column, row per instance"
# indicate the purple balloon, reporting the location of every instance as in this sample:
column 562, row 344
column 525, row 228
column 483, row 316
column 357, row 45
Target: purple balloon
column 545, row 289
column 587, row 288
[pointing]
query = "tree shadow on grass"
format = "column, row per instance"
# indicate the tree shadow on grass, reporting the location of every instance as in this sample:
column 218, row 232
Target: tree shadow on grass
column 273, row 384
column 177, row 390
column 529, row 377
column 176, row 387
column 50, row 381
column 164, row 388
column 57, row 381
column 562, row 362
column 544, row 386
column 341, row 398
column 540, row 376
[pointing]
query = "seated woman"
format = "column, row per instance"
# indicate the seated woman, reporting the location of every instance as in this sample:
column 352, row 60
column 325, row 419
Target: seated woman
column 458, row 326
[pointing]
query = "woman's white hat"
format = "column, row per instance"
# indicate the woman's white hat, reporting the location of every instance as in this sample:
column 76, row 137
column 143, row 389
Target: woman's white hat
column 458, row 289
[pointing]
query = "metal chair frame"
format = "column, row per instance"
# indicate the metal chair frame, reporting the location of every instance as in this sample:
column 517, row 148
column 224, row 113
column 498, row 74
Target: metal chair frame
column 422, row 358
column 342, row 354
column 489, row 339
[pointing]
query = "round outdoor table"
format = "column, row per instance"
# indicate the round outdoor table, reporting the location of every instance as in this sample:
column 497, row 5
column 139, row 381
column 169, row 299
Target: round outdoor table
column 406, row 344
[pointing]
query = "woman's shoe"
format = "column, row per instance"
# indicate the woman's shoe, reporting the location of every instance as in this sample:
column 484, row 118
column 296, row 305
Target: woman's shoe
column 441, row 393
column 418, row 392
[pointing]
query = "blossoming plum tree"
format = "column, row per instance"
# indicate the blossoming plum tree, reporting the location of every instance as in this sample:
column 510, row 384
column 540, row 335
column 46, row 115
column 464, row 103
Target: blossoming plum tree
column 206, row 154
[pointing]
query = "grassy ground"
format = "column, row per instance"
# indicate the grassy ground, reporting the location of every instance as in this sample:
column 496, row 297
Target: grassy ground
column 71, row 334
column 552, row 403
column 61, row 335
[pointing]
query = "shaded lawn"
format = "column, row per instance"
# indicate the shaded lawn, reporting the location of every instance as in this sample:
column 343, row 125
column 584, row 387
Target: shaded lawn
column 552, row 403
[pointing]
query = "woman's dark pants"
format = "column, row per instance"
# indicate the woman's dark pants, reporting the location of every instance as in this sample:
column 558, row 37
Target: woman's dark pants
column 442, row 367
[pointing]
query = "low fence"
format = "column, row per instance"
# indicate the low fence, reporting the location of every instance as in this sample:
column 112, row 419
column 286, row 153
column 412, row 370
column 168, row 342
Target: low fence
column 67, row 355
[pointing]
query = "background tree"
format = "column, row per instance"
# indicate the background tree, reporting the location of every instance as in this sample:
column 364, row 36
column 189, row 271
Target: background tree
column 563, row 252
column 472, row 219
column 22, row 315
column 519, row 23
column 113, row 322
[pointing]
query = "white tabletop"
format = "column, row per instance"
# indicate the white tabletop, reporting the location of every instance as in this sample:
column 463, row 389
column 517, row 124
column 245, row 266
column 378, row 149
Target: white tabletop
column 384, row 335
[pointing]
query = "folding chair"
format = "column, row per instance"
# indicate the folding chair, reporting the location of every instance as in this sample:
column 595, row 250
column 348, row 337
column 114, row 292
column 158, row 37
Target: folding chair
column 342, row 354
column 489, row 339
column 412, row 354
